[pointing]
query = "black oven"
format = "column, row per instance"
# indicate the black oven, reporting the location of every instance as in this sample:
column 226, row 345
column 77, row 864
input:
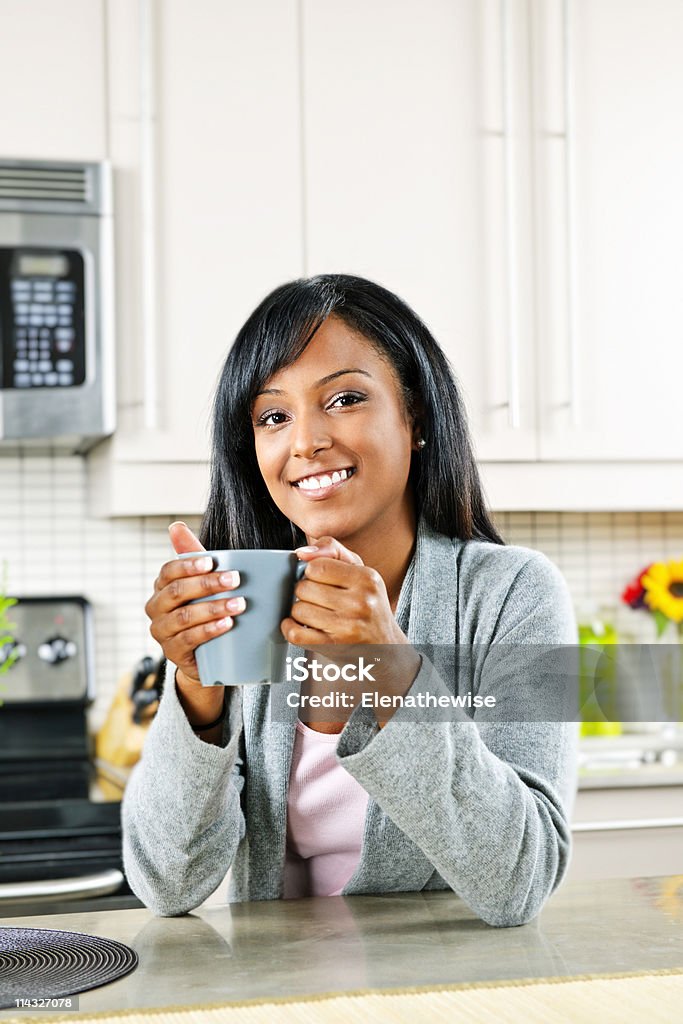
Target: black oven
column 60, row 841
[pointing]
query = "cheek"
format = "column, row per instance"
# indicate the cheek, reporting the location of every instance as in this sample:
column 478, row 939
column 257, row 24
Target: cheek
column 393, row 443
column 268, row 460
column 264, row 460
column 260, row 459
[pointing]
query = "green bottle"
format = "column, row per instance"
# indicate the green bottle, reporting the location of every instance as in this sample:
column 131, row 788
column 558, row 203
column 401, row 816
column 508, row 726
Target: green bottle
column 597, row 633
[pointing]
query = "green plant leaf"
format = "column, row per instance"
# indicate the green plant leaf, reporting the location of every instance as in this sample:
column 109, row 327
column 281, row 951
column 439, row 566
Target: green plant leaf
column 6, row 665
column 662, row 621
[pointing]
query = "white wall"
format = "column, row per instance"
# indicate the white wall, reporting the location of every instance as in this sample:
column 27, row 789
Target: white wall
column 51, row 546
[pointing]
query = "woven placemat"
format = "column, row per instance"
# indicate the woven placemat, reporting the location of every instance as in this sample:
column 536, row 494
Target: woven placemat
column 44, row 963
column 654, row 996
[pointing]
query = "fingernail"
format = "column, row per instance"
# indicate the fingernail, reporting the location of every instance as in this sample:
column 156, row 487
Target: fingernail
column 236, row 604
column 203, row 564
column 230, row 579
column 306, row 550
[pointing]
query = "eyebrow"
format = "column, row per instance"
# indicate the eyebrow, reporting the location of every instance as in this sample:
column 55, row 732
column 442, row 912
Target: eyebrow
column 318, row 384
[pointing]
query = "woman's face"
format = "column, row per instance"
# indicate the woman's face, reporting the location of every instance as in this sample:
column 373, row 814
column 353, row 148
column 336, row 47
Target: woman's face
column 337, row 410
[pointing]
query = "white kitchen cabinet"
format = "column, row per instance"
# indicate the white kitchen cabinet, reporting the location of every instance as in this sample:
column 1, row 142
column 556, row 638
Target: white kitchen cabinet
column 516, row 177
column 52, row 80
column 531, row 217
column 608, row 139
column 405, row 172
column 209, row 220
column 627, row 832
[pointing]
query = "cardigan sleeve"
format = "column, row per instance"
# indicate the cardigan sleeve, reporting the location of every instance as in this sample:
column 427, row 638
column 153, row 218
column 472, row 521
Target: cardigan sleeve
column 488, row 802
column 181, row 816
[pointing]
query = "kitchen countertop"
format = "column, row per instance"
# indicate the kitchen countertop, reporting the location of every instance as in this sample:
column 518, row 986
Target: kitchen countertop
column 626, row 776
column 295, row 947
column 631, row 760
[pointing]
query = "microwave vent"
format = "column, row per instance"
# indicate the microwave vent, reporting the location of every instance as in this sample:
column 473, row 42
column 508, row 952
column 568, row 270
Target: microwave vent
column 49, row 183
column 45, row 186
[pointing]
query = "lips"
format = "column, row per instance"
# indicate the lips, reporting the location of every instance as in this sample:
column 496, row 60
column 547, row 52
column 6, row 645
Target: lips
column 323, row 481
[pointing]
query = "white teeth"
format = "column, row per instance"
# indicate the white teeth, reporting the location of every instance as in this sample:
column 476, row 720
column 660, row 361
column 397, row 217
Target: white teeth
column 316, row 483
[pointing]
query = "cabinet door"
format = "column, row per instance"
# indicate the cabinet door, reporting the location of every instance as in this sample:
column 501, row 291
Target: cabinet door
column 609, row 142
column 410, row 180
column 52, row 79
column 627, row 832
column 226, row 195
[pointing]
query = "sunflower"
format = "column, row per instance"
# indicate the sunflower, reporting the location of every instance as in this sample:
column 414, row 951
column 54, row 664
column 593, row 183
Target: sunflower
column 663, row 583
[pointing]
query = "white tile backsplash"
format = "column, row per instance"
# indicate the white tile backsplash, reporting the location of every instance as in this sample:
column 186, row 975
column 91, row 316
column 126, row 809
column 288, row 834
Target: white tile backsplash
column 52, row 546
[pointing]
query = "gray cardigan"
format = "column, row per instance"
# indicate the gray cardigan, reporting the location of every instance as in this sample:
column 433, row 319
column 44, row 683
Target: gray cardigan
column 479, row 807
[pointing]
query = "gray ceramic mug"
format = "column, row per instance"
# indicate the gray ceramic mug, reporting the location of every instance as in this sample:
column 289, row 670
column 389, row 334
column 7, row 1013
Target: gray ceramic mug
column 253, row 651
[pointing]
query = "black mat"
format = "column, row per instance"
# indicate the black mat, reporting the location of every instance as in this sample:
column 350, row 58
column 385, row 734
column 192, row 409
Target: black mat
column 37, row 963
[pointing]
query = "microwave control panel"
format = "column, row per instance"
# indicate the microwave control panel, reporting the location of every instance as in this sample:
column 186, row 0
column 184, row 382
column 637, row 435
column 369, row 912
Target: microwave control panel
column 42, row 317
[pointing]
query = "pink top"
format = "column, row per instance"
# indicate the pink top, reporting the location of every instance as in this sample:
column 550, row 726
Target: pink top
column 325, row 818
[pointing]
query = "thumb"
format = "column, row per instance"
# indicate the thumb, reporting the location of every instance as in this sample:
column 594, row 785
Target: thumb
column 327, row 547
column 183, row 539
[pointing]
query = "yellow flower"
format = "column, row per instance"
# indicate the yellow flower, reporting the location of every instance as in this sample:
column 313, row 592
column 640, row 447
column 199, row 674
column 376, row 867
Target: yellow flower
column 663, row 583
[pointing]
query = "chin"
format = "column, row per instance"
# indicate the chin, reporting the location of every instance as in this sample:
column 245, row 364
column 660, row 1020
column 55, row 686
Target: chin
column 326, row 524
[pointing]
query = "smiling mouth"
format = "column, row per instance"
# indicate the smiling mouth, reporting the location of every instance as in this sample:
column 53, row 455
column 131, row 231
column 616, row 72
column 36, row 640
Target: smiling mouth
column 324, row 482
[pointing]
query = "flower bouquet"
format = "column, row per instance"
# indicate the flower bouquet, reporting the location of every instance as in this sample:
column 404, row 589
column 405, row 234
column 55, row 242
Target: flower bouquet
column 658, row 590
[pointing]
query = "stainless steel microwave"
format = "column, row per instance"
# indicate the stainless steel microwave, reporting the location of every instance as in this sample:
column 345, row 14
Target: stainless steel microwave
column 57, row 373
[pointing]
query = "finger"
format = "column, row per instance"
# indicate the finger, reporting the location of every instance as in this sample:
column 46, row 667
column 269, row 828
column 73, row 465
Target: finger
column 191, row 586
column 183, row 539
column 302, row 636
column 332, row 572
column 177, row 568
column 324, row 595
column 327, row 547
column 180, row 649
column 188, row 616
column 314, row 617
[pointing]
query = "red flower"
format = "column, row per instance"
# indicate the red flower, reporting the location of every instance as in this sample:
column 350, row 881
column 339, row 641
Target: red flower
column 634, row 593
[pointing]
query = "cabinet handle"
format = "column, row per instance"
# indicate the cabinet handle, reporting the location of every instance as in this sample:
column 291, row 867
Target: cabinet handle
column 510, row 215
column 150, row 397
column 570, row 208
column 633, row 823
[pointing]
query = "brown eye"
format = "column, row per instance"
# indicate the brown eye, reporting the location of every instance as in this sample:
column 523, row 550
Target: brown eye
column 262, row 421
column 349, row 398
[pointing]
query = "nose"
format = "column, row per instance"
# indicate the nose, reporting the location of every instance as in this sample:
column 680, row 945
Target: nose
column 309, row 436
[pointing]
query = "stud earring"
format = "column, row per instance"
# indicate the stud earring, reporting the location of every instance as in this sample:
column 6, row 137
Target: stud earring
column 421, row 443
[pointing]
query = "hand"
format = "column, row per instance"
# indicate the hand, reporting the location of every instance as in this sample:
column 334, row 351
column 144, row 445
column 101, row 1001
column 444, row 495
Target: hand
column 180, row 627
column 340, row 601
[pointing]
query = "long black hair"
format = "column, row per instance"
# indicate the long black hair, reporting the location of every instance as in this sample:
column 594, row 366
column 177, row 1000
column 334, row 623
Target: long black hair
column 444, row 475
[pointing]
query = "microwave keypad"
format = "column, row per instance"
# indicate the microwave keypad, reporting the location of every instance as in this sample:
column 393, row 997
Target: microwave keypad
column 44, row 333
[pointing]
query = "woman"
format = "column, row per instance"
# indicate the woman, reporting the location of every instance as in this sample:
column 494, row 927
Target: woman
column 336, row 375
